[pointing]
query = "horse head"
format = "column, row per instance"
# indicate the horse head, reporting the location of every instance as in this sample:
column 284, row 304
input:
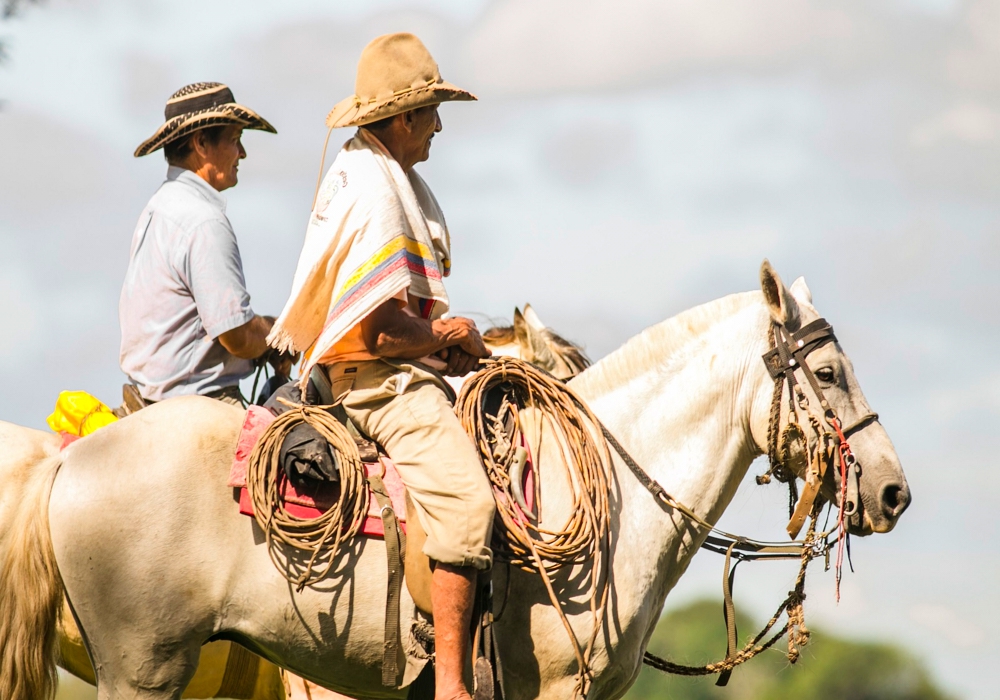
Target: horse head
column 812, row 409
column 532, row 341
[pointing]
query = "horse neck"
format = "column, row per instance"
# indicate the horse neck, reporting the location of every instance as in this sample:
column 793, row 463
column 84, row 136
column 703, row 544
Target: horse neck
column 689, row 400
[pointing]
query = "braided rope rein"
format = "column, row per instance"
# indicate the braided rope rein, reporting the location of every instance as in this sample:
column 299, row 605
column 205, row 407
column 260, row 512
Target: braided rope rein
column 795, row 626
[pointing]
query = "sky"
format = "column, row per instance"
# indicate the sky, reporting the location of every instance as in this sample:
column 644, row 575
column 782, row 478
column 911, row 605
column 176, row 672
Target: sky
column 625, row 161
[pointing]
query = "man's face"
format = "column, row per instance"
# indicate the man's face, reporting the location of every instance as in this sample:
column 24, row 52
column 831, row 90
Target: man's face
column 425, row 123
column 223, row 158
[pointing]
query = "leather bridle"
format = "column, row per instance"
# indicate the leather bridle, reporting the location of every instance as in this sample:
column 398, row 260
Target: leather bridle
column 786, row 357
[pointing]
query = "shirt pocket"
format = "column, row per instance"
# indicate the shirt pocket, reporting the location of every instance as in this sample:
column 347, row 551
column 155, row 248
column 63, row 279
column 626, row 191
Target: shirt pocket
column 341, row 387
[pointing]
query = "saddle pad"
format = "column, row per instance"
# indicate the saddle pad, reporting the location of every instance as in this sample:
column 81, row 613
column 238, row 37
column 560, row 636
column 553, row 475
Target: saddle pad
column 315, row 499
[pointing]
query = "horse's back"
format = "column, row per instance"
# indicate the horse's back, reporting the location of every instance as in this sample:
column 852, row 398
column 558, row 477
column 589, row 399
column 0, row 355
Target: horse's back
column 143, row 526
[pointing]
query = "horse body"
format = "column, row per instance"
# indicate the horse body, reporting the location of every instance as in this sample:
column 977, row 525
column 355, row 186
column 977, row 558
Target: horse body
column 689, row 399
column 177, row 584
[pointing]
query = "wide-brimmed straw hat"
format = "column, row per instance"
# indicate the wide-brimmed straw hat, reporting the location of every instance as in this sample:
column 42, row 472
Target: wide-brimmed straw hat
column 198, row 106
column 396, row 73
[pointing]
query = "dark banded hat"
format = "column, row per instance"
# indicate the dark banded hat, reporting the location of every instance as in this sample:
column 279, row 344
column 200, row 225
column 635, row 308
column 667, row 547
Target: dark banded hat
column 198, row 106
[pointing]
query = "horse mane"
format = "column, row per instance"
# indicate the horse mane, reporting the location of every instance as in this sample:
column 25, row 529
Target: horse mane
column 570, row 353
column 660, row 345
column 499, row 335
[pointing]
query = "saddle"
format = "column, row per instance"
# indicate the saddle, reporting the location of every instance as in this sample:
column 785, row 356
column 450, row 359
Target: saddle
column 388, row 518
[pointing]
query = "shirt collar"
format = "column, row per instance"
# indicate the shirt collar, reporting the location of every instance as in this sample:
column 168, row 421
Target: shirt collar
column 195, row 182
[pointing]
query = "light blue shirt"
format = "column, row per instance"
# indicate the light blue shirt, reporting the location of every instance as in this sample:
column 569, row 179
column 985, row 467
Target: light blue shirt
column 183, row 289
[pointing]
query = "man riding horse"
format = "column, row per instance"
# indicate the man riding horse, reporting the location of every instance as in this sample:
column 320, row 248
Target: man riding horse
column 186, row 321
column 368, row 302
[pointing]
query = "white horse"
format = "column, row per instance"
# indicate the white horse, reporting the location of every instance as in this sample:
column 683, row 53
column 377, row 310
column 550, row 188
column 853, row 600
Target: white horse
column 149, row 584
column 225, row 670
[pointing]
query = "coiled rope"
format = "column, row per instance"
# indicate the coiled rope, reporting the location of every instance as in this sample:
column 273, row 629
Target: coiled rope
column 584, row 540
column 319, row 538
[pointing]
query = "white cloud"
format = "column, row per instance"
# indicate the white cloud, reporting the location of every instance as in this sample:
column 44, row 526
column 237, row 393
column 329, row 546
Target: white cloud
column 944, row 621
column 974, row 61
column 522, row 46
column 968, row 122
column 18, row 305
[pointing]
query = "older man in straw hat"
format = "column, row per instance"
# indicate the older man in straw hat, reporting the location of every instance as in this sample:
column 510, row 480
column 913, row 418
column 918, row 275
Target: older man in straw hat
column 368, row 303
column 186, row 322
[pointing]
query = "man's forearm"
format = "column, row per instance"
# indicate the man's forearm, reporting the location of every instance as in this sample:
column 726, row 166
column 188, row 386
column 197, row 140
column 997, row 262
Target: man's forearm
column 407, row 338
column 248, row 341
column 389, row 332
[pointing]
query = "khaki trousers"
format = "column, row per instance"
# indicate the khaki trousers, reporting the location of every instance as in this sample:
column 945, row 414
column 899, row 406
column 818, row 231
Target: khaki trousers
column 404, row 407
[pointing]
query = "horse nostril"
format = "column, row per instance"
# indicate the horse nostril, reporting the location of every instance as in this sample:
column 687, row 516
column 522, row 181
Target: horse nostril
column 895, row 498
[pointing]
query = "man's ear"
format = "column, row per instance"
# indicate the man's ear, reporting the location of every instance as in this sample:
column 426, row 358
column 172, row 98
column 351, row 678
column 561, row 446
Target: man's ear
column 780, row 302
column 199, row 145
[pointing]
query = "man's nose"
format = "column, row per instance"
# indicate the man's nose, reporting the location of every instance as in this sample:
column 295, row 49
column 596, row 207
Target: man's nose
column 437, row 123
column 243, row 152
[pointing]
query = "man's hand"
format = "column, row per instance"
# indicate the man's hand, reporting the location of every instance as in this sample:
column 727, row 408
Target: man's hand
column 463, row 333
column 460, row 363
column 282, row 362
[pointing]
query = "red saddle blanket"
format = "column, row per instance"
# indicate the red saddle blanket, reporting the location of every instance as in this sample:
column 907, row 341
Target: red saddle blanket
column 314, row 500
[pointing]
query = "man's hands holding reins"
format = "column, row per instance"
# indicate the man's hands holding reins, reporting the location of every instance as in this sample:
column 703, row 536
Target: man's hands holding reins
column 390, row 332
column 464, row 355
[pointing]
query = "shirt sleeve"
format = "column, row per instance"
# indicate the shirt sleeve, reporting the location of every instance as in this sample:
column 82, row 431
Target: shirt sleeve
column 215, row 276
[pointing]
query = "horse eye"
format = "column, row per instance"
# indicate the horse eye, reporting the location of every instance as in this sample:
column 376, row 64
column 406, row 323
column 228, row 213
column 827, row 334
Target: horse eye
column 825, row 374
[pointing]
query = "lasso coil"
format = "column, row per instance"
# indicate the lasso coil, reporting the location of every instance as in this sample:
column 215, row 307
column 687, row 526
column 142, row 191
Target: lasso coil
column 319, row 538
column 584, row 540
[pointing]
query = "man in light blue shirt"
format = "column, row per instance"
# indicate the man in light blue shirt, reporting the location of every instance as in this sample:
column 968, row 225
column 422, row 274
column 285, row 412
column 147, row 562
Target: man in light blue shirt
column 186, row 321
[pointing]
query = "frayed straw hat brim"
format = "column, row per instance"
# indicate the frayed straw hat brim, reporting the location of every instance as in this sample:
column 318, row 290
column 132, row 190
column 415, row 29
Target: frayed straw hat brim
column 355, row 112
column 184, row 124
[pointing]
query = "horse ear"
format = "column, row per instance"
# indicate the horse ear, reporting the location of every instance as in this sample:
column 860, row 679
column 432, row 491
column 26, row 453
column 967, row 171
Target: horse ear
column 532, row 318
column 800, row 290
column 522, row 332
column 780, row 302
column 534, row 345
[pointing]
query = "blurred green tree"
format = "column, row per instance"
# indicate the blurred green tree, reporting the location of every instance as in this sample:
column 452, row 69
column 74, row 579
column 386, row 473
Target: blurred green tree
column 830, row 668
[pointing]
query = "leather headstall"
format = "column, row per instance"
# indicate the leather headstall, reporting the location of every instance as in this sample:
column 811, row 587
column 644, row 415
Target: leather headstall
column 782, row 361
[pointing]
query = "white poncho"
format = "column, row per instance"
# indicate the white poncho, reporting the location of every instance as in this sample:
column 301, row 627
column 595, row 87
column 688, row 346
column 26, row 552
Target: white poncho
column 374, row 231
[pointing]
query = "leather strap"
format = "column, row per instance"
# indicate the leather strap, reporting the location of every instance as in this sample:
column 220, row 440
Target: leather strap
column 239, row 679
column 810, row 492
column 395, row 545
column 729, row 613
column 485, row 659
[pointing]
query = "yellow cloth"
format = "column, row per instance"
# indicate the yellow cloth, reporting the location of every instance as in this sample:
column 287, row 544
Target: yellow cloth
column 79, row 413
